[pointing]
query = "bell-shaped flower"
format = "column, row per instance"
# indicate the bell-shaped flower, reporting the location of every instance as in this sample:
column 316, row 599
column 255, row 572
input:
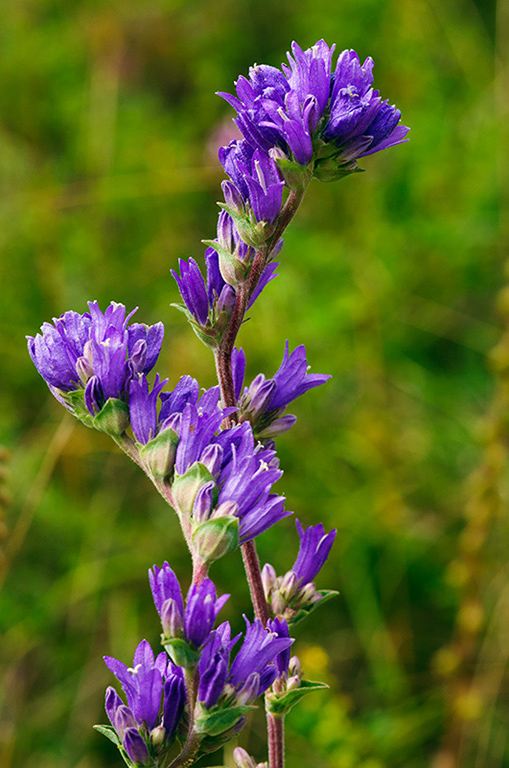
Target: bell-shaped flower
column 143, row 727
column 265, row 400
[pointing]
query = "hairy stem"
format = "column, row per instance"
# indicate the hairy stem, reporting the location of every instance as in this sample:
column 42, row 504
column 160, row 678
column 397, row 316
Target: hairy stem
column 254, row 579
column 276, row 734
column 192, row 745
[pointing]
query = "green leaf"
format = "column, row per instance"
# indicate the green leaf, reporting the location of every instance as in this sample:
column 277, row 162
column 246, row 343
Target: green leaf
column 109, row 732
column 181, row 652
column 216, row 720
column 279, row 704
column 303, row 613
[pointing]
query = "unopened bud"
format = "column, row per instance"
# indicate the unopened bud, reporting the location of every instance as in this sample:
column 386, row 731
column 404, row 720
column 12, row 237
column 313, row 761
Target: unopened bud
column 215, row 538
column 124, row 719
column 295, row 667
column 157, row 736
column 289, row 585
column 171, row 619
column 113, row 418
column 159, row 454
column 212, row 457
column 268, row 579
column 242, row 759
column 203, row 502
column 279, row 602
column 249, row 690
column 307, row 594
column 135, row 747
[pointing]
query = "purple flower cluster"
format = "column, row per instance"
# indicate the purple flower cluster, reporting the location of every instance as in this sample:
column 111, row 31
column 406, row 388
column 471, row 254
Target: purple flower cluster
column 226, row 689
column 294, row 112
column 224, row 478
column 254, row 179
column 253, row 670
column 96, row 353
column 265, row 400
column 208, row 303
column 196, row 620
column 142, row 729
column 294, row 594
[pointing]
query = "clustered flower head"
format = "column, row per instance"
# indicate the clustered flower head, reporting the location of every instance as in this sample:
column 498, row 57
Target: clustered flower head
column 90, row 359
column 265, row 400
column 145, row 727
column 313, row 115
column 294, row 595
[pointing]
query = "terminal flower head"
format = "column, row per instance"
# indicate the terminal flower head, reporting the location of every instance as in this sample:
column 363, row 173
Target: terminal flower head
column 313, row 116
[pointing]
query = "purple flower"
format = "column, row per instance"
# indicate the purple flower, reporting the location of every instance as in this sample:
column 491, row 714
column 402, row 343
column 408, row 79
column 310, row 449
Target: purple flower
column 358, row 117
column 311, row 115
column 145, row 684
column 264, row 82
column 253, row 670
column 143, row 407
column 245, row 483
column 315, row 546
column 199, row 615
column 98, row 352
column 209, row 303
column 280, row 628
column 254, row 180
column 264, row 401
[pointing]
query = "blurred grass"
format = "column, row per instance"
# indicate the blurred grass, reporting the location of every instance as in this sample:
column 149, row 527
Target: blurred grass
column 107, row 175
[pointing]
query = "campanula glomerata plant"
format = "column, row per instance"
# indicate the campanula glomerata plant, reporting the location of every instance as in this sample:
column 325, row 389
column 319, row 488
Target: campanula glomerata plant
column 211, row 454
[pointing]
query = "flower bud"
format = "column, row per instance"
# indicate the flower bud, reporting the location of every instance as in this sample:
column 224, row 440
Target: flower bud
column 294, row 667
column 249, row 690
column 135, row 747
column 211, row 458
column 289, row 585
column 159, row 454
column 186, row 487
column 157, row 736
column 113, row 418
column 242, row 759
column 268, row 579
column 279, row 602
column 203, row 502
column 171, row 619
column 307, row 594
column 216, row 537
column 124, row 719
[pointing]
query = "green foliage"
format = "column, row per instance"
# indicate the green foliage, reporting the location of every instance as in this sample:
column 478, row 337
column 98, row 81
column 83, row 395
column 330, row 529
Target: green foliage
column 108, row 174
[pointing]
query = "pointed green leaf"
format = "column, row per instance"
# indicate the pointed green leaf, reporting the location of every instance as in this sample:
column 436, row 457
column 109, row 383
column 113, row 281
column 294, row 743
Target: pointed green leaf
column 303, row 613
column 279, row 704
column 216, row 720
column 109, row 732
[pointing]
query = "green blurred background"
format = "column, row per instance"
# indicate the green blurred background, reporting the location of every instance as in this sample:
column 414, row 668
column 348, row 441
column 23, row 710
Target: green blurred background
column 108, row 136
